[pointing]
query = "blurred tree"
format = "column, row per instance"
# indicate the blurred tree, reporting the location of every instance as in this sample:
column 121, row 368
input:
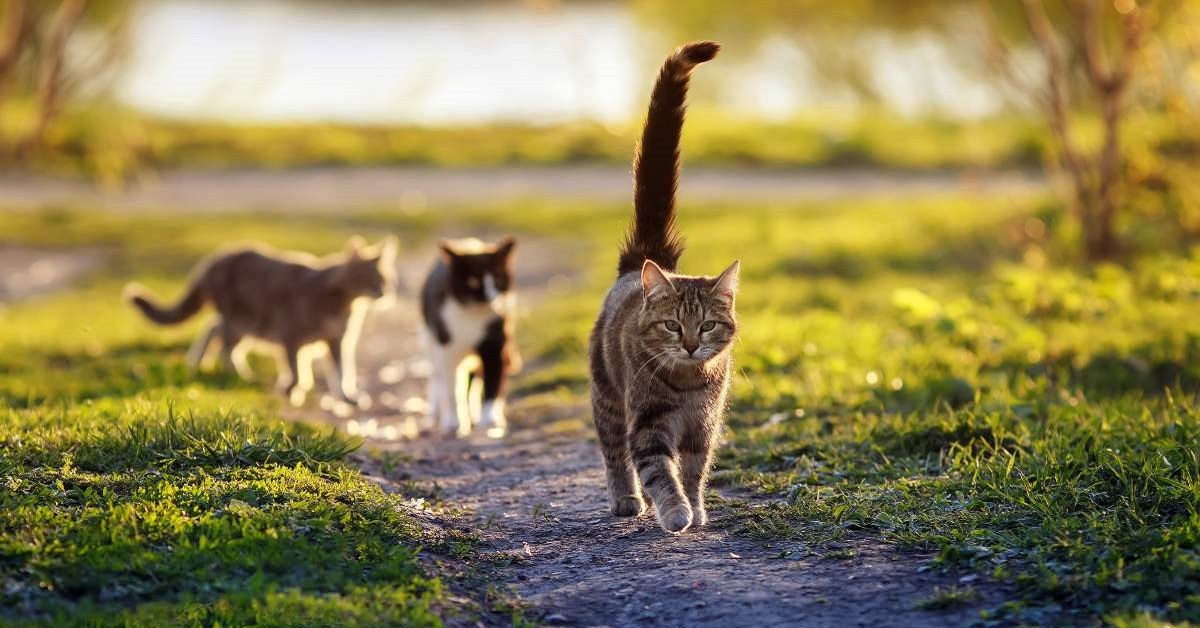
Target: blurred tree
column 52, row 47
column 16, row 31
column 1099, row 42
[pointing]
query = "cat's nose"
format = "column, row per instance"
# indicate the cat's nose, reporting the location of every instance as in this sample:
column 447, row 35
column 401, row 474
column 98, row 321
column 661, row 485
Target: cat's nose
column 691, row 348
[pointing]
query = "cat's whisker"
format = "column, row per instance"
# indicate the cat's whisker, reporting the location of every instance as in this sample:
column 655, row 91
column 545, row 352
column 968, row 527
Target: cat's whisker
column 663, row 353
column 742, row 372
column 654, row 373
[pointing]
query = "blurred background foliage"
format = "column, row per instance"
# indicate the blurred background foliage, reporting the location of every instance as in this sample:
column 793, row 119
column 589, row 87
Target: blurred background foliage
column 114, row 89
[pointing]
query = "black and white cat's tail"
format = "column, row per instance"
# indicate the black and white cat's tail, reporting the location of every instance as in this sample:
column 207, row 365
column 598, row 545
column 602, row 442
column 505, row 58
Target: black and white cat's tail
column 187, row 307
column 656, row 164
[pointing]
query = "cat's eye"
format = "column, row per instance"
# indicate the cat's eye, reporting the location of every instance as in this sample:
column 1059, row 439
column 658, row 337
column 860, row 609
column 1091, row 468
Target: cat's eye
column 672, row 326
column 708, row 326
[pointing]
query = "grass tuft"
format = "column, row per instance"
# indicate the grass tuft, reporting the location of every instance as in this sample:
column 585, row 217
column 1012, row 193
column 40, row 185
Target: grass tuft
column 948, row 598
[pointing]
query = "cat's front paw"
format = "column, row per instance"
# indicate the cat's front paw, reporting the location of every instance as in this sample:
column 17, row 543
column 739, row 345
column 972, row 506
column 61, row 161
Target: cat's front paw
column 628, row 506
column 675, row 519
column 454, row 430
column 356, row 400
column 492, row 419
column 447, row 422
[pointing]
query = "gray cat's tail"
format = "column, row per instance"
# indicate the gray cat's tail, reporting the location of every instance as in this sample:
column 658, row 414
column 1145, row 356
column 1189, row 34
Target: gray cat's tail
column 181, row 311
column 656, row 164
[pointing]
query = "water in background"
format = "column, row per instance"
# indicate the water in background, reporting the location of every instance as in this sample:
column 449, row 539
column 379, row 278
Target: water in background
column 277, row 60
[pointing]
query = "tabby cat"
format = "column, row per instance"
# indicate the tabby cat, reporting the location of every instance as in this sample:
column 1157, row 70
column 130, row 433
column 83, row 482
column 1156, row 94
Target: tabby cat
column 660, row 351
column 292, row 300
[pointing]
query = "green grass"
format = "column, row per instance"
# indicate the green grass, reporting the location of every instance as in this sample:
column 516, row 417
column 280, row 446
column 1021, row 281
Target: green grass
column 935, row 371
column 110, row 144
column 121, row 513
column 137, row 494
column 952, row 597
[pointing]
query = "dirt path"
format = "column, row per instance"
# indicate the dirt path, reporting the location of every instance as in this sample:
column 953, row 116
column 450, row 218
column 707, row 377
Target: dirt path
column 415, row 188
column 538, row 499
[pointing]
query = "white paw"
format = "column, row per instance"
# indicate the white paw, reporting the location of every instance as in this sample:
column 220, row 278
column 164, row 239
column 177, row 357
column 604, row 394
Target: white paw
column 297, row 396
column 493, row 420
column 675, row 519
column 450, row 426
column 343, row 410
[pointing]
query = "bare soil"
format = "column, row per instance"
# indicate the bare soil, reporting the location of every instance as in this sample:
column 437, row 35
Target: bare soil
column 539, row 502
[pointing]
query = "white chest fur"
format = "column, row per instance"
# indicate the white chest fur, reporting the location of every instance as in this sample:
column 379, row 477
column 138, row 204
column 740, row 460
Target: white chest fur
column 467, row 324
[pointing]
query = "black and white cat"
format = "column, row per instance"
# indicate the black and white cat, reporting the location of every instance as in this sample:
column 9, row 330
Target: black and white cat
column 468, row 304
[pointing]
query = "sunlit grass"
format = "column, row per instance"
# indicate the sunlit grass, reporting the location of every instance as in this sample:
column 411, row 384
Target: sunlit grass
column 111, row 144
column 937, row 371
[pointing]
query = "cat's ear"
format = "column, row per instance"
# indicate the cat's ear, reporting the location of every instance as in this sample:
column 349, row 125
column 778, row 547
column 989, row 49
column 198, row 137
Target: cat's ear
column 654, row 280
column 726, row 283
column 504, row 247
column 447, row 251
column 355, row 245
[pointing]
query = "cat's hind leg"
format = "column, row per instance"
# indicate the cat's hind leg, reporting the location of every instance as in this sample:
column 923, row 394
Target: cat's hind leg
column 299, row 377
column 465, row 408
column 233, row 352
column 442, row 397
column 494, row 356
column 608, row 412
column 195, row 354
column 343, row 376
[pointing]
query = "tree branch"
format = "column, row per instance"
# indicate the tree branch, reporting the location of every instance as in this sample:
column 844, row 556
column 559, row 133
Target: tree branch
column 1056, row 95
column 16, row 32
column 1000, row 58
column 50, row 76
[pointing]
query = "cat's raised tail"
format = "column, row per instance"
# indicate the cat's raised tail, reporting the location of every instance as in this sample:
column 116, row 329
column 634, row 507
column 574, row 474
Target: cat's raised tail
column 186, row 308
column 656, row 164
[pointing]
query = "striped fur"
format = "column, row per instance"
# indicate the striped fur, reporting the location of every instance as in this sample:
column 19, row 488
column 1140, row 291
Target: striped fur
column 660, row 350
column 656, row 164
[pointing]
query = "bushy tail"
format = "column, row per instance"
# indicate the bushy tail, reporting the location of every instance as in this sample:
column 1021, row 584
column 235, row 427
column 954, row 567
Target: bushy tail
column 185, row 309
column 656, row 164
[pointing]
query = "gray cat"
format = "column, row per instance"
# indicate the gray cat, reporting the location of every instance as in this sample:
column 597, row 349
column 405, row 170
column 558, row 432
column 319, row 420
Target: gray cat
column 292, row 300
